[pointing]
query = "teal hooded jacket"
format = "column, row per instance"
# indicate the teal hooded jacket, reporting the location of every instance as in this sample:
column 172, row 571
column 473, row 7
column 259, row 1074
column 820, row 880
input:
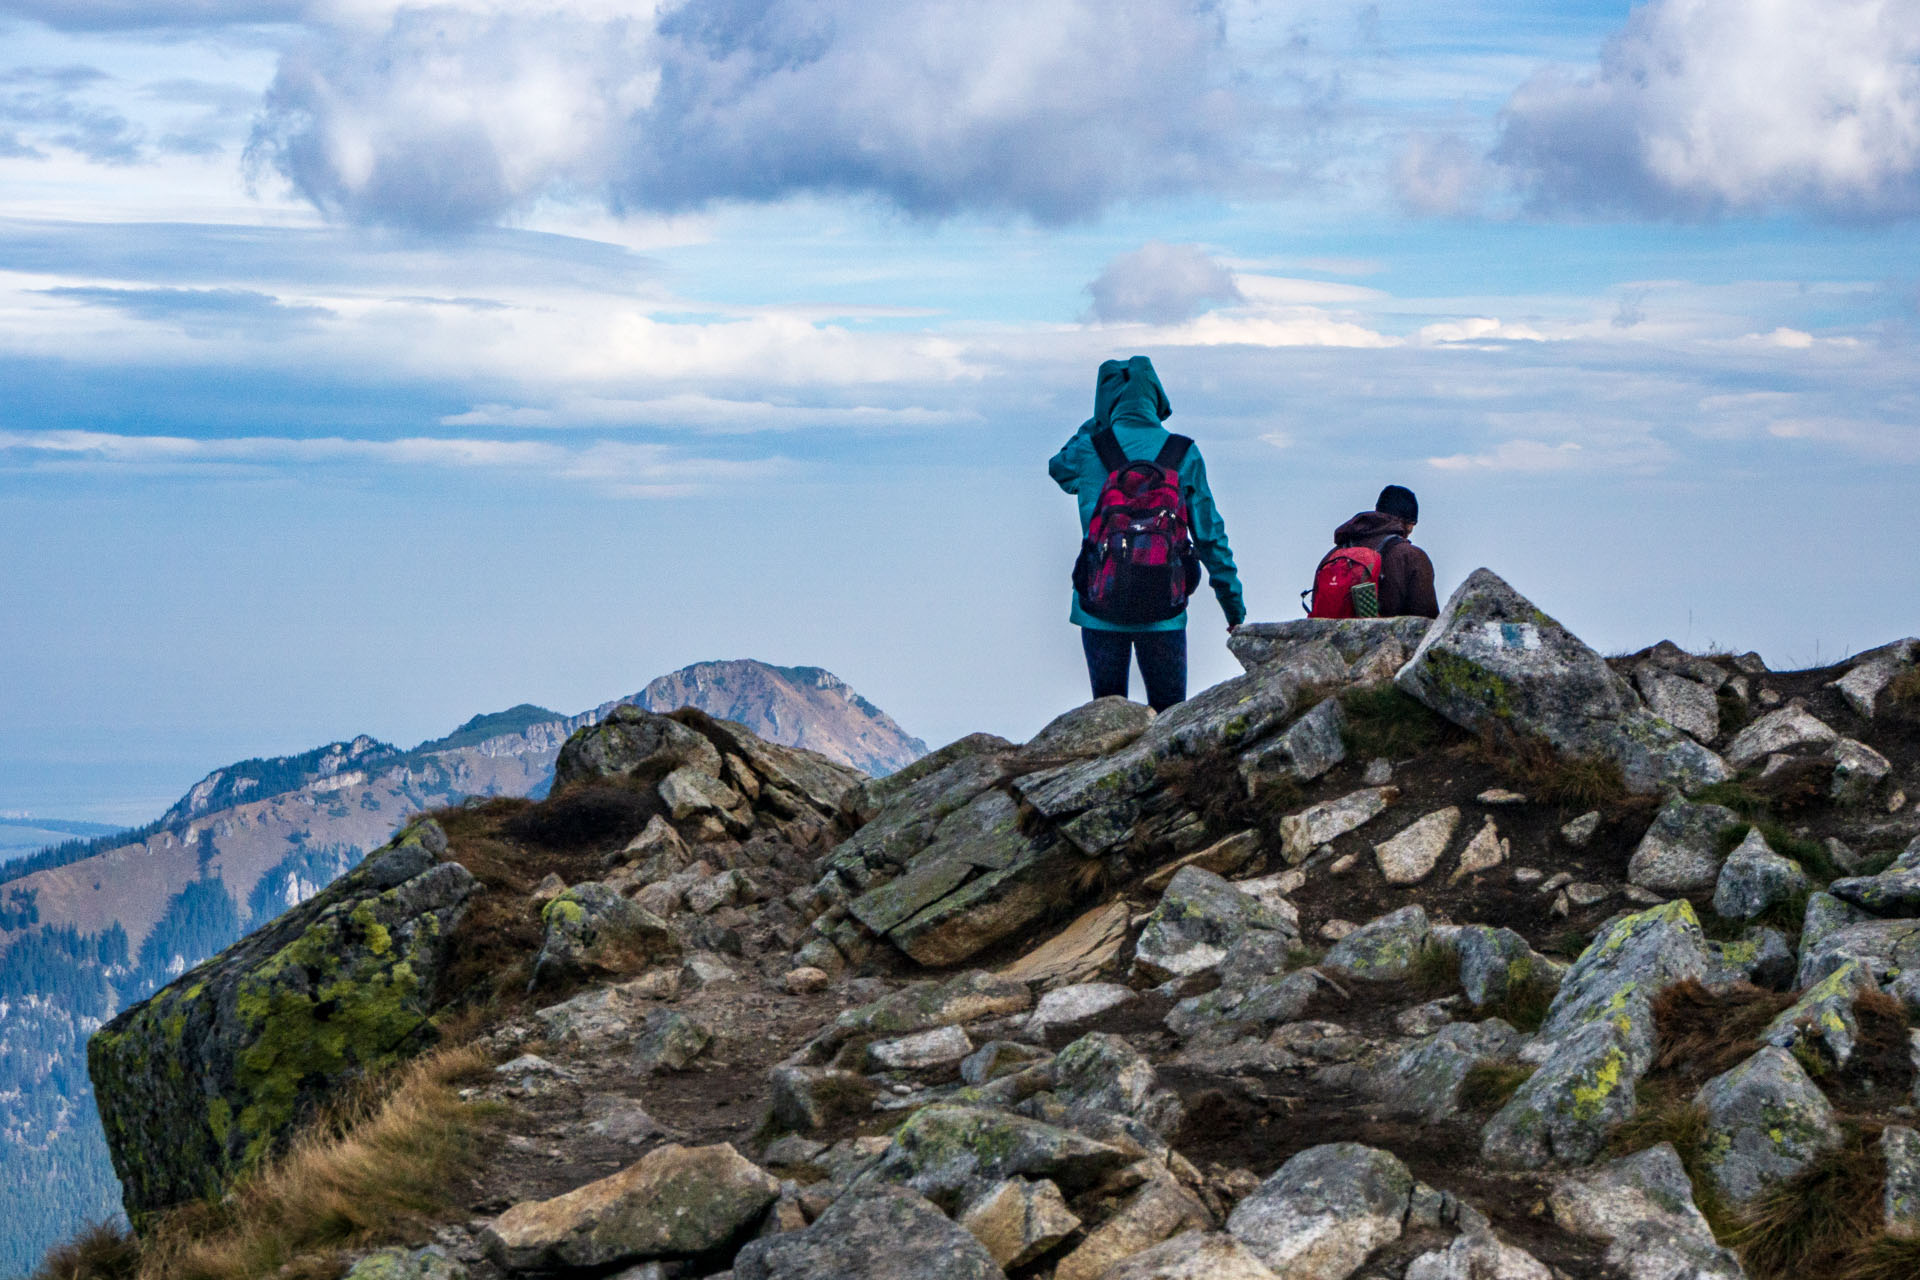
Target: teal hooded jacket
column 1129, row 398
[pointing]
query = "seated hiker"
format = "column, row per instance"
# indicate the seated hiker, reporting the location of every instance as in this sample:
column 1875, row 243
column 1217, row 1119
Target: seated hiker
column 1373, row 571
column 1149, row 523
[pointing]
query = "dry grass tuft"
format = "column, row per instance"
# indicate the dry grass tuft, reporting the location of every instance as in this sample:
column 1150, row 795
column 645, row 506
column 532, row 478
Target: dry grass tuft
column 102, row 1251
column 1546, row 775
column 1882, row 1258
column 1702, row 1034
column 1816, row 1223
column 1435, row 971
column 1905, row 689
column 381, row 1164
column 1665, row 1116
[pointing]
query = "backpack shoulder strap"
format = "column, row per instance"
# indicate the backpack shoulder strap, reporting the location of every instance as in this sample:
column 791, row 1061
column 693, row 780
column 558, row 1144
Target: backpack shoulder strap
column 1174, row 452
column 1107, row 445
column 1386, row 545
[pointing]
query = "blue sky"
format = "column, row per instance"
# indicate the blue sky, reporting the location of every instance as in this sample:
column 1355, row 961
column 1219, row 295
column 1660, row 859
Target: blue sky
column 368, row 364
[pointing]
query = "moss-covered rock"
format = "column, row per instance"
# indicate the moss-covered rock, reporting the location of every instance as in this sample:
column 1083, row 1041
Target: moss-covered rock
column 591, row 931
column 216, row 1069
column 1766, row 1121
column 1597, row 1041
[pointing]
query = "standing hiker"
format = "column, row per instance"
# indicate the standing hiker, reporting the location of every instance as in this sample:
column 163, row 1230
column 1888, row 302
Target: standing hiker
column 1373, row 571
column 1149, row 524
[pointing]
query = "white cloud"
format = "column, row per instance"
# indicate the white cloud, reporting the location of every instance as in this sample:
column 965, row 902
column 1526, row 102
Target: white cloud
column 1705, row 106
column 707, row 413
column 1479, row 329
column 1161, row 283
column 1538, row 457
column 1440, row 174
column 453, row 115
column 625, row 470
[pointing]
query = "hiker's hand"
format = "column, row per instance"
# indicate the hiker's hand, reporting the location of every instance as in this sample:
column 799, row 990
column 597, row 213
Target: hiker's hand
column 1233, row 628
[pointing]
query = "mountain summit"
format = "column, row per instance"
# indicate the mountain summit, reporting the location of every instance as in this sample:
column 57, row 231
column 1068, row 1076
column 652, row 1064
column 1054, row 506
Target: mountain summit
column 793, row 706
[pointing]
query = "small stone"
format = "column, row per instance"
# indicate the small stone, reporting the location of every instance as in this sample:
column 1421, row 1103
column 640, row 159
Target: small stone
column 1411, row 856
column 1067, row 1005
column 1680, row 852
column 1334, row 930
column 1527, row 875
column 1554, row 883
column 1500, row 798
column 792, row 1150
column 549, row 889
column 1484, row 852
column 1581, row 830
column 1769, row 697
column 1379, row 772
column 1897, row 801
column 670, row 1041
column 1478, row 1255
column 1343, row 864
column 1561, row 907
column 942, row 1046
column 702, row 968
column 808, row 1098
column 1642, row 897
column 805, row 981
column 1585, row 893
column 620, row 1119
column 1857, row 770
column 1200, row 916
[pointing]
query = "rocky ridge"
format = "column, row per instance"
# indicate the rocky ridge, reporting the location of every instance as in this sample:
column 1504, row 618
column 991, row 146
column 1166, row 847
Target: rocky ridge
column 1414, row 953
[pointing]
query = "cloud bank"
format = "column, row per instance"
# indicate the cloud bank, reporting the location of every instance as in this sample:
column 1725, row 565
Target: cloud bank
column 1708, row 107
column 449, row 116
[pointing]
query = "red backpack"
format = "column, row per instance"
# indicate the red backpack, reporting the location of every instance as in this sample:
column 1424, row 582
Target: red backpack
column 1137, row 564
column 1341, row 571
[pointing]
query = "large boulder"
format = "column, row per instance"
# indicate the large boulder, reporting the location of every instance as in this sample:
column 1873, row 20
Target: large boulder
column 1425, row 1078
column 1493, row 658
column 1754, row 877
column 871, row 1233
column 1097, row 728
column 218, row 1068
column 1324, row 1211
column 1888, row 948
column 625, row 740
column 1598, row 1040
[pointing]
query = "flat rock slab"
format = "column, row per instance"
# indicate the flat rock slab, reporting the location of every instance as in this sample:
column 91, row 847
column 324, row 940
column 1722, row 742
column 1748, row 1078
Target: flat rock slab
column 1076, row 953
column 871, row 1233
column 952, row 1154
column 1017, row 1220
column 675, row 1202
column 1065, row 1006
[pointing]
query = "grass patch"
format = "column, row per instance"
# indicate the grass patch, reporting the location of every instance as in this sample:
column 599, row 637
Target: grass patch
column 1547, row 776
column 1525, row 1005
column 1735, row 713
column 1815, row 1223
column 1735, row 795
column 1435, row 971
column 1489, row 1086
column 588, row 816
column 1882, row 1258
column 1384, row 722
column 378, row 1167
column 1568, row 942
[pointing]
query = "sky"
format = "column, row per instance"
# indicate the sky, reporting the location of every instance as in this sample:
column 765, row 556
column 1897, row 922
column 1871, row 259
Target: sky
column 367, row 365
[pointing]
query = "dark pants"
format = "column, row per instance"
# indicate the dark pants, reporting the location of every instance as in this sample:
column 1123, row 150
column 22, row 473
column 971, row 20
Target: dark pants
column 1163, row 663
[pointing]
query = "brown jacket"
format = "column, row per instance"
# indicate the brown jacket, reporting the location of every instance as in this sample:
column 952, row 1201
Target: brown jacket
column 1406, row 575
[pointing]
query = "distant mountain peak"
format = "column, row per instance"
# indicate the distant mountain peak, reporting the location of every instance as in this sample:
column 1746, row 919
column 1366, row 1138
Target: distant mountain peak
column 807, row 707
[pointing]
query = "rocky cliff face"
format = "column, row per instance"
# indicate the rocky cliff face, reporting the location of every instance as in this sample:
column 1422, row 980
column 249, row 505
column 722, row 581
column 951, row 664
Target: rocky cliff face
column 1414, row 953
column 792, row 706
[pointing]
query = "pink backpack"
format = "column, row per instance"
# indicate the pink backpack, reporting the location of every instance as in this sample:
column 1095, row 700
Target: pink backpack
column 1137, row 564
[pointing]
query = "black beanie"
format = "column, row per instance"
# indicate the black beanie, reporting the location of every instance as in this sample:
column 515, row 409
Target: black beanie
column 1398, row 500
